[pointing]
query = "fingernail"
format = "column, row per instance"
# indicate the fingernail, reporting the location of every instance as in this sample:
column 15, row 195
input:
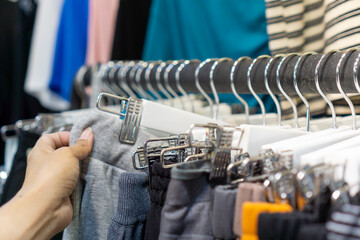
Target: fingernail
column 86, row 134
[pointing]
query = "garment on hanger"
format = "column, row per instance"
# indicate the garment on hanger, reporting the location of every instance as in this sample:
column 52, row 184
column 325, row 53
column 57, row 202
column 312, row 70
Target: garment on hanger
column 312, row 26
column 187, row 212
column 16, row 176
column 42, row 51
column 95, row 198
column 101, row 28
column 133, row 206
column 131, row 24
column 70, row 51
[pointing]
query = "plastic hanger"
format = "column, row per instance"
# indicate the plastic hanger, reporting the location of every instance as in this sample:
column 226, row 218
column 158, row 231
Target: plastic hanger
column 138, row 113
column 318, row 156
column 313, row 141
column 256, row 136
column 150, row 88
column 122, row 76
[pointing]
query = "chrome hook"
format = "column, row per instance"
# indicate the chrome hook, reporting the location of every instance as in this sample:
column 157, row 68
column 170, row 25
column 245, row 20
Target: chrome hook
column 298, row 90
column 167, row 83
column 338, row 83
column 212, row 85
column 272, row 95
column 317, row 72
column 232, row 85
column 138, row 86
column 296, row 125
column 197, row 83
column 149, row 68
column 158, row 80
column 178, row 85
column 123, row 76
column 262, row 107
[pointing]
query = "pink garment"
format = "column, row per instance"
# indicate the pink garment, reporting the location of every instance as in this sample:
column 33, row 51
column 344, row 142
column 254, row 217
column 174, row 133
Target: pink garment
column 101, row 29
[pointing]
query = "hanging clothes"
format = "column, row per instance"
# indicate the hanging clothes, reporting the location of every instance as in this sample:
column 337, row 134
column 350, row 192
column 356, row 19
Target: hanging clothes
column 101, row 28
column 321, row 26
column 131, row 24
column 70, row 49
column 42, row 51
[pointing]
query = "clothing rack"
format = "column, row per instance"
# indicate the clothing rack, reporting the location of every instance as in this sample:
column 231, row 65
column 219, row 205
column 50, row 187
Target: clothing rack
column 305, row 74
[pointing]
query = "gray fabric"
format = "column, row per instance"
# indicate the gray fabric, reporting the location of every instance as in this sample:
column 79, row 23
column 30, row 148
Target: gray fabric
column 95, row 196
column 223, row 212
column 187, row 212
column 133, row 205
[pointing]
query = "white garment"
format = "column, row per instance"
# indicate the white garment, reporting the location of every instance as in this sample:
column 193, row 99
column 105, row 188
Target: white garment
column 42, row 52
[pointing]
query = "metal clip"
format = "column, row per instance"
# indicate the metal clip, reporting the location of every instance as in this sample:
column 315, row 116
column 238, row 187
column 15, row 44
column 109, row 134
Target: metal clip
column 130, row 112
column 222, row 154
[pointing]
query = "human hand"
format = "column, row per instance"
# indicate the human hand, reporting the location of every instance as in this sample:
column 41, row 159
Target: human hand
column 51, row 175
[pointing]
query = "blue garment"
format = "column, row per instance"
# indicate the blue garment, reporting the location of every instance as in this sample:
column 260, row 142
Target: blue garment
column 200, row 29
column 70, row 51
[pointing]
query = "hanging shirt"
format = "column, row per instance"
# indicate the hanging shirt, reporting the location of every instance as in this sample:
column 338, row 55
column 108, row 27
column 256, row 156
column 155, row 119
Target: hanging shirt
column 186, row 29
column 41, row 56
column 321, row 26
column 102, row 18
column 71, row 45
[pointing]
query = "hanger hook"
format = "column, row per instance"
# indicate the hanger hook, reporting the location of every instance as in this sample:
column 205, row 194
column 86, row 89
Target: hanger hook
column 258, row 99
column 178, row 85
column 272, row 95
column 317, row 72
column 233, row 89
column 355, row 73
column 149, row 68
column 133, row 72
column 138, row 86
column 171, row 91
column 108, row 68
column 338, row 83
column 113, row 80
column 158, row 80
column 298, row 90
column 212, row 85
column 296, row 125
column 198, row 86
column 122, row 78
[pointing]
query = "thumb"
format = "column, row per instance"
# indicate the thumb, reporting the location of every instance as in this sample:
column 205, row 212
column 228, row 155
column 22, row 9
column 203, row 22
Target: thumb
column 83, row 146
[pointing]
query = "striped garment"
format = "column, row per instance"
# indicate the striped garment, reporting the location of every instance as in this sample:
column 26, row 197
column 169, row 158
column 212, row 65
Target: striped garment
column 312, row 25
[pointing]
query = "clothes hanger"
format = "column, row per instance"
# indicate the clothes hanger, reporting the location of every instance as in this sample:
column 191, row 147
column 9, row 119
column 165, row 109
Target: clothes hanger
column 255, row 135
column 138, row 85
column 198, row 86
column 313, row 141
column 107, row 68
column 226, row 109
column 112, row 78
column 138, row 113
column 150, row 88
column 319, row 155
column 276, row 101
column 175, row 97
column 288, row 98
column 185, row 98
column 159, row 70
column 132, row 82
column 122, row 76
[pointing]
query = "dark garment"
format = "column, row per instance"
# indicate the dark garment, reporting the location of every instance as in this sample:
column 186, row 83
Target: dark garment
column 159, row 179
column 313, row 232
column 131, row 25
column 133, row 205
column 187, row 213
column 16, row 176
column 223, row 203
column 284, row 226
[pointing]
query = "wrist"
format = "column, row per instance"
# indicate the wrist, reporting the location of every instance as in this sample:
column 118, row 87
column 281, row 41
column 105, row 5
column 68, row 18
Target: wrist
column 37, row 217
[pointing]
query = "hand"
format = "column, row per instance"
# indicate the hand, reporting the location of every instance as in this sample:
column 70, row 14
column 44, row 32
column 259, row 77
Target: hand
column 51, row 176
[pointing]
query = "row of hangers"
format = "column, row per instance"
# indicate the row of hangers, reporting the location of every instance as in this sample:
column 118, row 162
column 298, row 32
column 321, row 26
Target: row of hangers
column 292, row 162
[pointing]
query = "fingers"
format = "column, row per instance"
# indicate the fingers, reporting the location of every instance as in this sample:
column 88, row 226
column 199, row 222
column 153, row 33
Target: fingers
column 82, row 148
column 54, row 141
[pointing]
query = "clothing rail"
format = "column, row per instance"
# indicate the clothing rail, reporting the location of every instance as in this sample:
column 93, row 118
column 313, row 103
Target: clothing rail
column 305, row 74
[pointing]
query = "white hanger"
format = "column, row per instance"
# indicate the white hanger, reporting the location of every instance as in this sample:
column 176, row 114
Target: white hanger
column 313, row 141
column 256, row 136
